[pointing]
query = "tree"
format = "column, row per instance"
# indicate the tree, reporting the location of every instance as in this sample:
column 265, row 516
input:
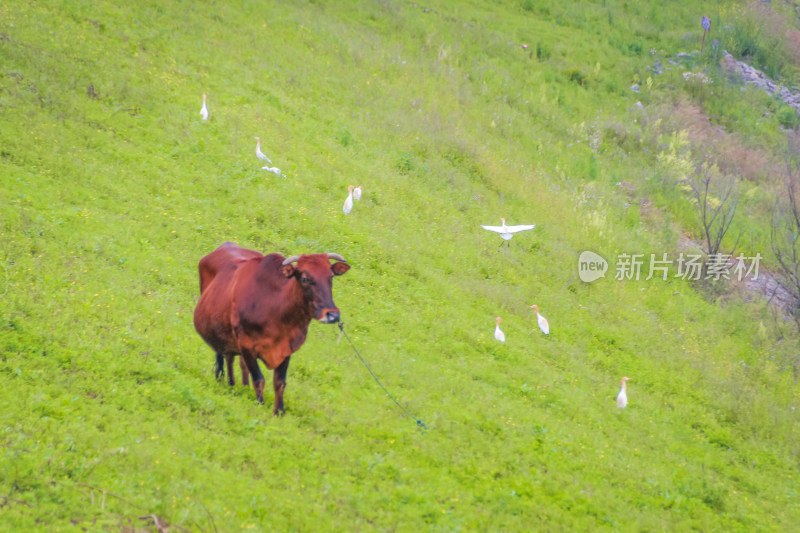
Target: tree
column 785, row 233
column 716, row 196
column 785, row 230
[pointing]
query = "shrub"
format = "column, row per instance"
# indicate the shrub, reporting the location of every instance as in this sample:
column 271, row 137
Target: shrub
column 542, row 52
column 576, row 76
column 787, row 117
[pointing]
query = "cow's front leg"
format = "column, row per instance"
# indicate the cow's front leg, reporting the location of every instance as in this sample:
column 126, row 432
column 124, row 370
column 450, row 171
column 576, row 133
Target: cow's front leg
column 245, row 372
column 258, row 377
column 229, row 364
column 279, row 382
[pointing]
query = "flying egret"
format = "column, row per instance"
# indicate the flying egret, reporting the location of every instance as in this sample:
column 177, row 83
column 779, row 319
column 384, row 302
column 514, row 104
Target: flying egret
column 622, row 397
column 498, row 333
column 274, row 170
column 543, row 325
column 348, row 203
column 506, row 232
column 204, row 109
column 357, row 193
column 259, row 153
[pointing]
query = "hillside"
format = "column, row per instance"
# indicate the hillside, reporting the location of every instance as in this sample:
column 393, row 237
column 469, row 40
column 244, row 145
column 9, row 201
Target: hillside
column 450, row 115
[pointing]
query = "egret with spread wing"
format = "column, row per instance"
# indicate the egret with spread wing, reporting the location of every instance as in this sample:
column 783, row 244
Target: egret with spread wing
column 506, row 232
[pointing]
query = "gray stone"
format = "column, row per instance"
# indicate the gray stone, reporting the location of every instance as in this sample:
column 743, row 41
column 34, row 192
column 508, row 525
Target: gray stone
column 757, row 78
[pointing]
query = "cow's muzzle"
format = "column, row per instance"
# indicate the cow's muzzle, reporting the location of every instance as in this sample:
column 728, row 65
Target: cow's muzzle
column 329, row 316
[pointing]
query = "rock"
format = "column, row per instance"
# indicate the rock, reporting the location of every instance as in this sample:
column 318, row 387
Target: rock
column 657, row 68
column 755, row 77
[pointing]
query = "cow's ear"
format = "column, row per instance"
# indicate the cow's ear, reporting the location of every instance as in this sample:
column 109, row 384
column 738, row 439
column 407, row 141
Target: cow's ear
column 287, row 270
column 340, row 268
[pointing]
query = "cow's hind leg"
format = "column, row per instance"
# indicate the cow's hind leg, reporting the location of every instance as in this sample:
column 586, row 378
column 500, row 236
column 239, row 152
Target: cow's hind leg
column 219, row 370
column 279, row 382
column 258, row 377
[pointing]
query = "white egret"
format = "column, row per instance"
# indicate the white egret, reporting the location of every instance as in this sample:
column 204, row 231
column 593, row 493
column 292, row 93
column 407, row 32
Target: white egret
column 259, row 153
column 543, row 325
column 506, row 232
column 622, row 396
column 498, row 333
column 204, row 109
column 348, row 203
column 274, row 170
column 357, row 193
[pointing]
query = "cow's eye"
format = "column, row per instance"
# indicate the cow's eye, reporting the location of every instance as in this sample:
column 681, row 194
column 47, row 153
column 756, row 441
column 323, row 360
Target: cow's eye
column 305, row 280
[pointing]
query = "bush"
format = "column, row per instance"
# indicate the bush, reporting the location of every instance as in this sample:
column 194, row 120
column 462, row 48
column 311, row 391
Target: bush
column 787, row 117
column 576, row 76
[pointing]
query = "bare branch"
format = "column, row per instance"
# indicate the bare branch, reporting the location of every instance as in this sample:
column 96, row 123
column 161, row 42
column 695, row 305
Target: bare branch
column 155, row 522
column 785, row 227
column 708, row 188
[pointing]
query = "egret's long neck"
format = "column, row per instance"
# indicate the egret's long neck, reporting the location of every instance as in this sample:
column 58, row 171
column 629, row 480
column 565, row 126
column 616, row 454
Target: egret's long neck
column 624, row 387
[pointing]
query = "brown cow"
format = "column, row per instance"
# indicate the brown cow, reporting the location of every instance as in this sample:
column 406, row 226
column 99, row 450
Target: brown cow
column 210, row 265
column 260, row 307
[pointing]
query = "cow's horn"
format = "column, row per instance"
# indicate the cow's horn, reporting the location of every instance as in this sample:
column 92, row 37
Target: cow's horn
column 290, row 260
column 337, row 257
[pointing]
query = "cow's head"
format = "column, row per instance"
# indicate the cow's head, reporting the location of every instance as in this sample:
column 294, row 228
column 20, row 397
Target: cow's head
column 314, row 274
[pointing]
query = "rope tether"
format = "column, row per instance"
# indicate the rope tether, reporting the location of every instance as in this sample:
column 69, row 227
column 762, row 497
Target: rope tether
column 420, row 423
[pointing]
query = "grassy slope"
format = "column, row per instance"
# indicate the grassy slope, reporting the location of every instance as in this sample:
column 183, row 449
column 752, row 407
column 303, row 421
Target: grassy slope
column 108, row 203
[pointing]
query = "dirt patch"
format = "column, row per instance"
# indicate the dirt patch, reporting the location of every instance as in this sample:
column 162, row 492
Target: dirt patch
column 730, row 153
column 770, row 286
column 767, row 284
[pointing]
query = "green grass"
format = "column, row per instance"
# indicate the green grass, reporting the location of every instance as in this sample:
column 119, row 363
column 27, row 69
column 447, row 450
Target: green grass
column 111, row 195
